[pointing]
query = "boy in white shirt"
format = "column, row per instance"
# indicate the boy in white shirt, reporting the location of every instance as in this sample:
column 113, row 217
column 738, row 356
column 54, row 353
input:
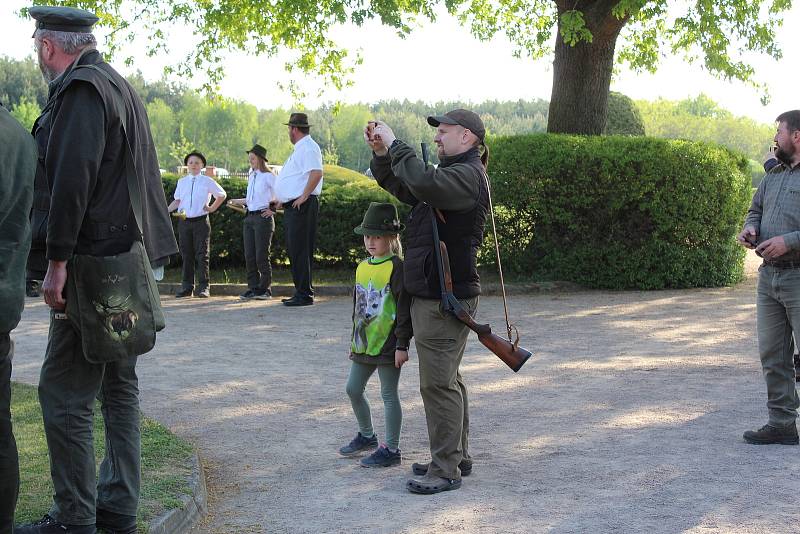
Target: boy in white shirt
column 194, row 231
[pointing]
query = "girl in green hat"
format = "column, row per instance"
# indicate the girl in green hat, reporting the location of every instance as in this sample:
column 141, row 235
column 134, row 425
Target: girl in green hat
column 381, row 333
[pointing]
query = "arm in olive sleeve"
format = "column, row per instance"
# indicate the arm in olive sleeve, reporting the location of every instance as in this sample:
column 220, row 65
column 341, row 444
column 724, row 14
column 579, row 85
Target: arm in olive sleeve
column 381, row 167
column 74, row 154
column 402, row 329
column 449, row 188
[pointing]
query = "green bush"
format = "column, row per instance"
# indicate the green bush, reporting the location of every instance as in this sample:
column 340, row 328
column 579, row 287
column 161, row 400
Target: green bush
column 623, row 116
column 619, row 212
column 345, row 196
column 756, row 172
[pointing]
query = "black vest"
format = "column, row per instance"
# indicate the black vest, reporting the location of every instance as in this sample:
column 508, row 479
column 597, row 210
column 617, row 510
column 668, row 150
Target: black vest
column 109, row 229
column 462, row 233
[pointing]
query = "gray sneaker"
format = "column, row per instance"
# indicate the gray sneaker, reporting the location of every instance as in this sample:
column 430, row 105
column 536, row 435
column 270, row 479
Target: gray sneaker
column 359, row 443
column 261, row 294
column 247, row 295
column 382, row 457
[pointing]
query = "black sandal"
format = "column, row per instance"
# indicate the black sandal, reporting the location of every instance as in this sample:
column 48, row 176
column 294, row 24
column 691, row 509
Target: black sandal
column 444, row 484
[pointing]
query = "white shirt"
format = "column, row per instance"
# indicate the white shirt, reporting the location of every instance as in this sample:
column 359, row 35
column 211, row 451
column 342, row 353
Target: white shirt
column 293, row 177
column 194, row 191
column 260, row 190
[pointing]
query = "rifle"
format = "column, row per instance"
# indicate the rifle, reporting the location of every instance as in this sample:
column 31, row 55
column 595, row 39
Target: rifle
column 511, row 353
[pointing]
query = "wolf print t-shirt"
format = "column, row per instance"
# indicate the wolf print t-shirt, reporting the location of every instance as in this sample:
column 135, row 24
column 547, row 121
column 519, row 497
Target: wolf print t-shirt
column 381, row 318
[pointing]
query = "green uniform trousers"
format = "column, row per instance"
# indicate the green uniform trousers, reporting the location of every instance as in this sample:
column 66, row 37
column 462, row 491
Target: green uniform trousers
column 440, row 339
column 9, row 462
column 778, row 314
column 68, row 386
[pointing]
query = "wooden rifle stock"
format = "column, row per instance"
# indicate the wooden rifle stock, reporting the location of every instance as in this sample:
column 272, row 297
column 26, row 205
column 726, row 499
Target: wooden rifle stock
column 511, row 353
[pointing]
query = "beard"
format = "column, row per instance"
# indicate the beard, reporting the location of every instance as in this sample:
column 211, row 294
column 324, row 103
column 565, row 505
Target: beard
column 47, row 73
column 785, row 154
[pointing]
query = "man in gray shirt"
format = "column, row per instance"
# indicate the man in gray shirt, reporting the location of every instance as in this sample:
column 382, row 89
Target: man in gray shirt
column 772, row 227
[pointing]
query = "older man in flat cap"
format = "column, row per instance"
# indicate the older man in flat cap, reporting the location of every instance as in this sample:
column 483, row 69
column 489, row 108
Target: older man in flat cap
column 93, row 138
column 455, row 195
column 18, row 154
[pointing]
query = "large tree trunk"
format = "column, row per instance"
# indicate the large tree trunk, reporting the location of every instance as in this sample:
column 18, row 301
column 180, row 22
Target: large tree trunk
column 582, row 74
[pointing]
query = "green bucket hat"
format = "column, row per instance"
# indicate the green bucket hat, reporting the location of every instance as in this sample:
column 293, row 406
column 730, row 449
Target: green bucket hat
column 380, row 219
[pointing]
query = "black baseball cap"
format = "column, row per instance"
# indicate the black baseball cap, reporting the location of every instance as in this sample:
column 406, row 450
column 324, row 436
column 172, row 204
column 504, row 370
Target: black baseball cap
column 462, row 117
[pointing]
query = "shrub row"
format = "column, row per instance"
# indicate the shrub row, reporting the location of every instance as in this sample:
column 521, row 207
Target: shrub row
column 605, row 211
column 346, row 194
column 620, row 212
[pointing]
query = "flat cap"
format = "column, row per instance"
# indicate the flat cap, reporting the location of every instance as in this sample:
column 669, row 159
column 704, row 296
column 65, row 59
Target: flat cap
column 462, row 117
column 63, row 19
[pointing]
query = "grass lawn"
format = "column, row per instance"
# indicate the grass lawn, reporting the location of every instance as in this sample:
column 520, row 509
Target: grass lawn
column 165, row 461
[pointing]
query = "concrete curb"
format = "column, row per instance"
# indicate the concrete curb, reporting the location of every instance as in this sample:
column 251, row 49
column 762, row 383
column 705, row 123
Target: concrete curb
column 193, row 507
column 491, row 289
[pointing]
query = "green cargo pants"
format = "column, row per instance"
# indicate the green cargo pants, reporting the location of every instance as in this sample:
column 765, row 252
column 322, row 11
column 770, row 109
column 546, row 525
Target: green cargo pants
column 778, row 314
column 9, row 461
column 440, row 339
column 68, row 386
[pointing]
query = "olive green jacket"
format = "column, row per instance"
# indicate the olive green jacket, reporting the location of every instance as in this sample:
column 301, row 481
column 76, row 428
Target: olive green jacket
column 17, row 168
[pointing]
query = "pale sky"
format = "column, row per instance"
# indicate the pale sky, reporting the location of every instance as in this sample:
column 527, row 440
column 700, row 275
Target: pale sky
column 397, row 68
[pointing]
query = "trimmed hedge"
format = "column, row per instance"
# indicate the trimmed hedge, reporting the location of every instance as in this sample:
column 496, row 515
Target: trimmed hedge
column 620, row 212
column 345, row 196
column 623, row 116
column 606, row 211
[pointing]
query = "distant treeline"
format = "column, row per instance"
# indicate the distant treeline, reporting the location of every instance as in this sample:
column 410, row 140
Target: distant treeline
column 223, row 128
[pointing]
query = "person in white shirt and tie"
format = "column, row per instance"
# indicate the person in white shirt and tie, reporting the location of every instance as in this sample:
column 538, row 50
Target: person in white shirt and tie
column 258, row 225
column 192, row 195
column 297, row 189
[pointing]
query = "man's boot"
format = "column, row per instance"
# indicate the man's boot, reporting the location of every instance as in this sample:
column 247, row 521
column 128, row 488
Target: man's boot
column 770, row 435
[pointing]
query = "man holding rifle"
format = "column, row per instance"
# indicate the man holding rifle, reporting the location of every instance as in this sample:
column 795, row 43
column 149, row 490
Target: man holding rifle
column 456, row 196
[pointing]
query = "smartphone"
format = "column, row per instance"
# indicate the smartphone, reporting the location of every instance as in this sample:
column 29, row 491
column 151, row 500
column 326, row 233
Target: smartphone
column 754, row 245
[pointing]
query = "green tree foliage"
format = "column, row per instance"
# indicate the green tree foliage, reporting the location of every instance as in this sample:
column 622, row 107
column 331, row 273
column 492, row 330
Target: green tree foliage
column 164, row 130
column 21, row 80
column 604, row 212
column 715, row 32
column 623, row 116
column 26, row 112
column 702, row 119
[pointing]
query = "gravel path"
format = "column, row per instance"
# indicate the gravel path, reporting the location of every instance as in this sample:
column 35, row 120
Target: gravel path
column 628, row 419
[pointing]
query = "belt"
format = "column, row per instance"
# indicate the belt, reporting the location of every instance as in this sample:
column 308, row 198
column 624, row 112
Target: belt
column 252, row 212
column 783, row 264
column 291, row 200
column 200, row 218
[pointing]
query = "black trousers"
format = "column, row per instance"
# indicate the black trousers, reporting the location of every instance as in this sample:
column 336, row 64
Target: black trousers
column 300, row 225
column 9, row 461
column 257, row 234
column 194, row 237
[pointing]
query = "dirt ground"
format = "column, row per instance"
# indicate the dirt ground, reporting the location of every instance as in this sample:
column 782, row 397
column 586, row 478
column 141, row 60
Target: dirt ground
column 628, row 418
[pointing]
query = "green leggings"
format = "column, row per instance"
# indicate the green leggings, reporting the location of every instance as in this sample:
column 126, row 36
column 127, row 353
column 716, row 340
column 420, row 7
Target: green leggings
column 357, row 382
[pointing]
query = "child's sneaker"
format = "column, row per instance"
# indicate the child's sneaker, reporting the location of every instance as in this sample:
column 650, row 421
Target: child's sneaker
column 359, row 443
column 382, row 457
